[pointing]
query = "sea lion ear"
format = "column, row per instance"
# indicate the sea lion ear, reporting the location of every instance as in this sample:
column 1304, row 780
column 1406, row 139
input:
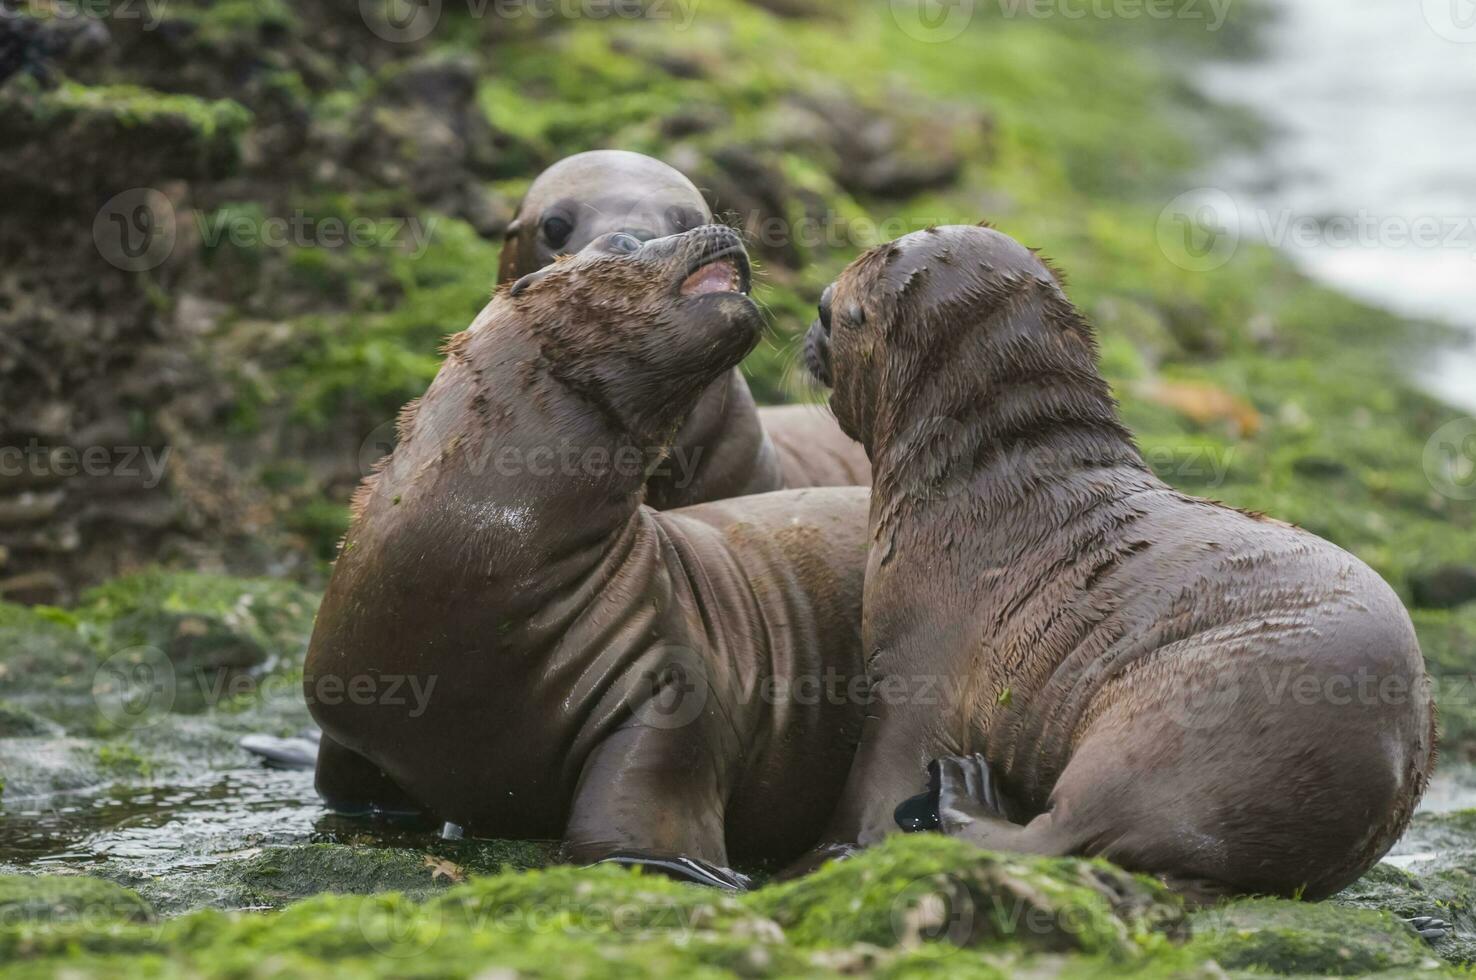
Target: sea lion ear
column 522, row 284
column 507, row 265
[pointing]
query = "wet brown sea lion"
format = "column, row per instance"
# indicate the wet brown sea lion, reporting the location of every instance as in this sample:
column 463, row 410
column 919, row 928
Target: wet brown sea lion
column 1211, row 696
column 722, row 450
column 644, row 684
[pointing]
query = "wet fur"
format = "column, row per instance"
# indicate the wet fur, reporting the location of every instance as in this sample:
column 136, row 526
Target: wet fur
column 1077, row 605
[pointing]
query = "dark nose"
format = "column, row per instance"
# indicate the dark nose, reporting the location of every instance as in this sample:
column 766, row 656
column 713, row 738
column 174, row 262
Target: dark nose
column 825, row 302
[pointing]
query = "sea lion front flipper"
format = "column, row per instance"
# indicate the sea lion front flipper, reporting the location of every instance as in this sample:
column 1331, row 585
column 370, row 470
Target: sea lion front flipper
column 655, row 793
column 353, row 786
column 680, row 868
column 966, row 791
column 920, row 813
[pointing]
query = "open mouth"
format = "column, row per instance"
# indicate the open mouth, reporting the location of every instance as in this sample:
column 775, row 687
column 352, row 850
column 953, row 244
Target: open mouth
column 724, row 271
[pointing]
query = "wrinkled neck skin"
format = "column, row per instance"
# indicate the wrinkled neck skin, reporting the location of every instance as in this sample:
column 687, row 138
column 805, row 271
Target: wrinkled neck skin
column 720, row 451
column 1017, row 439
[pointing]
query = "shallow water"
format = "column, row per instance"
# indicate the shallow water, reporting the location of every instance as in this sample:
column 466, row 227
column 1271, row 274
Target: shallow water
column 156, row 828
column 1374, row 102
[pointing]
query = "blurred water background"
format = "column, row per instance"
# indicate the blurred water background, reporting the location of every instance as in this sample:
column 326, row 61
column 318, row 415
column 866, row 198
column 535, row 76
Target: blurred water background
column 1373, row 109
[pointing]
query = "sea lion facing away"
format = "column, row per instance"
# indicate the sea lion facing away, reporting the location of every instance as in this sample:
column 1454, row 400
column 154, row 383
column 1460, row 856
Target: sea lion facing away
column 636, row 682
column 722, row 450
column 1207, row 695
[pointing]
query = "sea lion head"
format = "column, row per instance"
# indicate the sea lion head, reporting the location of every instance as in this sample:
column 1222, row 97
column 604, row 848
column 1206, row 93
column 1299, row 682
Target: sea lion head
column 640, row 329
column 930, row 323
column 590, row 195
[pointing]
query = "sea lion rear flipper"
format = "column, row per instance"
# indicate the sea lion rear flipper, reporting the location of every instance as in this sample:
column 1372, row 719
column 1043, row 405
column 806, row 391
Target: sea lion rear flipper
column 297, row 752
column 1431, row 929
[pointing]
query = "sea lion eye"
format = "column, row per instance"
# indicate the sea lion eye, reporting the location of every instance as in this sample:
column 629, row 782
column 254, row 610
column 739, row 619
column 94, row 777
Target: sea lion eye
column 556, row 230
column 623, row 244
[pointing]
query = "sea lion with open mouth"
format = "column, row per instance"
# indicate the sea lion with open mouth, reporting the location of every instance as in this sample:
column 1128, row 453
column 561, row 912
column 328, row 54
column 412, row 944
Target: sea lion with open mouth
column 1211, row 696
column 728, row 447
column 647, row 685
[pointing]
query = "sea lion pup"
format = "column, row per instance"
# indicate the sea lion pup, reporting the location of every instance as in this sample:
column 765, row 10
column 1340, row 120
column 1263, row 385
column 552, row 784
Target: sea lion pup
column 647, row 685
column 1191, row 691
column 728, row 447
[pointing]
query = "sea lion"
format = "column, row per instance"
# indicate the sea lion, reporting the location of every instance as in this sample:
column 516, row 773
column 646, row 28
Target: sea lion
column 1211, row 696
column 646, row 685
column 728, row 446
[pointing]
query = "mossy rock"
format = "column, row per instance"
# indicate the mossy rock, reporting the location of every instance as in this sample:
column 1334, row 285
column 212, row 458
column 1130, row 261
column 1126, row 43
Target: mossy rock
column 68, row 898
column 202, row 622
column 38, row 644
column 76, row 138
column 1294, row 938
column 927, row 887
column 17, row 722
column 1445, row 889
column 280, row 875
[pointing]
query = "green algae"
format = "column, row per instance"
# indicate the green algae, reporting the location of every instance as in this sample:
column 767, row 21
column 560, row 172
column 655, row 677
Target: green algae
column 608, row 921
column 912, row 906
column 130, row 106
column 1300, row 938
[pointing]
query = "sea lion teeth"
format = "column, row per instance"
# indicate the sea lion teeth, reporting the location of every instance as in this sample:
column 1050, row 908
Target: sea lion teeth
column 717, row 277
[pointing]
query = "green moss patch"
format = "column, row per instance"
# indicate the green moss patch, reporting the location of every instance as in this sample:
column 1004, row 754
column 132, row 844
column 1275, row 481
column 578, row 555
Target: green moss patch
column 1298, row 938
